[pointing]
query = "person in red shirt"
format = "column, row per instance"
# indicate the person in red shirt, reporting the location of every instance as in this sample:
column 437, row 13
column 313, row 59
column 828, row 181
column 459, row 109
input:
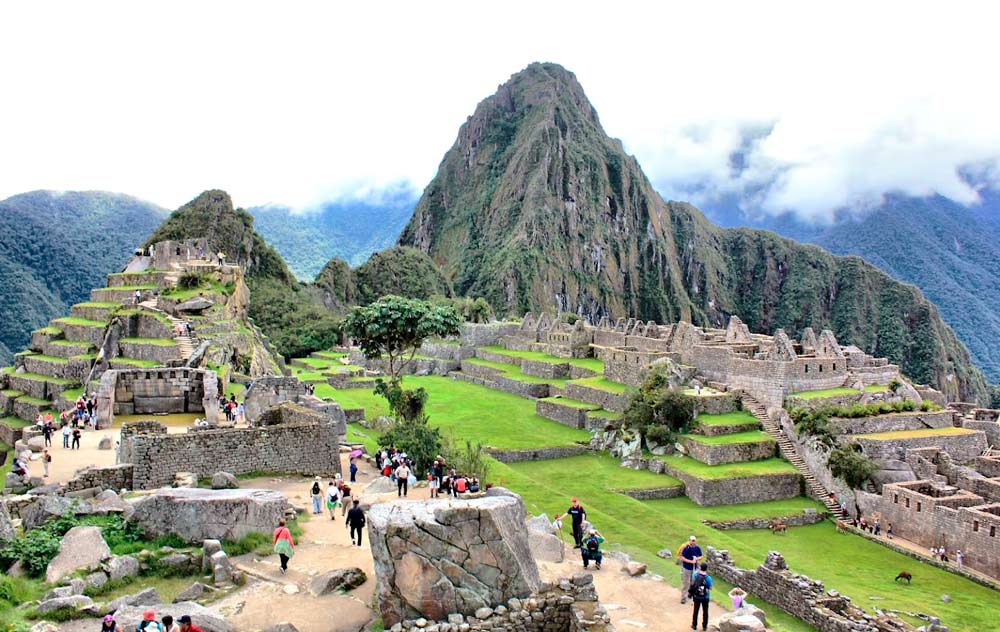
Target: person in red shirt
column 283, row 546
column 187, row 625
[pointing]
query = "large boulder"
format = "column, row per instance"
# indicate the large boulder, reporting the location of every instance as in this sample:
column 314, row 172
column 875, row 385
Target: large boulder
column 105, row 443
column 147, row 597
column 341, row 579
column 48, row 507
column 436, row 558
column 201, row 514
column 7, row 532
column 224, row 480
column 545, row 545
column 122, row 567
column 82, row 548
column 736, row 622
column 128, row 617
column 109, row 502
column 74, row 601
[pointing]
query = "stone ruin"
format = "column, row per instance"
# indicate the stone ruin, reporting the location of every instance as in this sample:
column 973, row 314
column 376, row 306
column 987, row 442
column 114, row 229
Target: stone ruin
column 800, row 596
column 467, row 564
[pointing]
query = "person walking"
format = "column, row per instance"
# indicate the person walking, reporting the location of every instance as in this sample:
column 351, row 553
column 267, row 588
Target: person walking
column 354, row 471
column 46, row 460
column 689, row 557
column 356, row 521
column 591, row 549
column 434, row 478
column 878, row 527
column 76, row 438
column 65, row 433
column 332, row 498
column 402, row 478
column 345, row 497
column 47, row 433
column 317, row 496
column 283, row 546
column 960, row 558
column 888, row 531
column 700, row 593
column 578, row 514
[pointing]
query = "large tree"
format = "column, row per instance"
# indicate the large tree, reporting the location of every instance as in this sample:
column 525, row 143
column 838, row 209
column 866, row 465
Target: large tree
column 394, row 327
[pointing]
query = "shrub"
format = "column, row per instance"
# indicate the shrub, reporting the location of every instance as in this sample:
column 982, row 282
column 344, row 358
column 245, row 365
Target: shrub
column 927, row 406
column 415, row 437
column 659, row 435
column 850, row 466
column 894, row 384
column 470, row 459
column 190, row 280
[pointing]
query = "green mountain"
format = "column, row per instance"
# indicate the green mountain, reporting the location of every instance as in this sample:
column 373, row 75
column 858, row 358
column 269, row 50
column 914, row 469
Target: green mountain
column 287, row 313
column 55, row 247
column 348, row 229
column 535, row 208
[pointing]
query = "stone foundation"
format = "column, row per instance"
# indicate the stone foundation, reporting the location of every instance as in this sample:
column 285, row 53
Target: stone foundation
column 164, row 390
column 728, row 453
column 537, row 454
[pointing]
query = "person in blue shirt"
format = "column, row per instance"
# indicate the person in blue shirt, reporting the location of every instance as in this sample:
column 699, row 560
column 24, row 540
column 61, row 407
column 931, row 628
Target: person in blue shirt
column 689, row 555
column 700, row 592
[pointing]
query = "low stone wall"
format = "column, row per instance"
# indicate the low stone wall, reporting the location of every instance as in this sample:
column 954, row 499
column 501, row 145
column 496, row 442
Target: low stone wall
column 93, row 335
column 990, row 428
column 717, row 430
column 799, row 596
column 654, row 493
column 298, row 448
column 486, row 334
column 480, row 371
column 716, row 404
column 605, row 399
column 962, row 448
column 891, row 422
column 537, row 454
column 9, row 434
column 548, row 370
column 505, row 384
column 566, row 415
column 817, row 402
column 73, row 369
column 115, row 477
column 798, row 520
column 728, row 453
column 162, row 354
column 729, row 491
column 492, row 356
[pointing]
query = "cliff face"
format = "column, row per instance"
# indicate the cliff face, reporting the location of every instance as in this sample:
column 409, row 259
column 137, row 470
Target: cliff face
column 536, row 208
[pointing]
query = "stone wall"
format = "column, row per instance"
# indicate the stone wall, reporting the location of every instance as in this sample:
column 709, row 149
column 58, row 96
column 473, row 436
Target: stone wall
column 730, row 452
column 9, row 434
column 962, row 448
column 716, row 404
column 537, row 454
column 799, row 596
column 797, row 520
column 728, row 491
column 990, row 428
column 269, row 392
column 563, row 413
column 615, row 402
column 549, row 370
column 115, row 477
column 486, row 334
column 892, row 422
column 501, row 383
column 628, row 366
column 295, row 448
column 654, row 493
column 164, row 390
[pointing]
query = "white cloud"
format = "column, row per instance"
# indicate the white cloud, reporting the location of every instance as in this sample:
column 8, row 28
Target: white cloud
column 302, row 102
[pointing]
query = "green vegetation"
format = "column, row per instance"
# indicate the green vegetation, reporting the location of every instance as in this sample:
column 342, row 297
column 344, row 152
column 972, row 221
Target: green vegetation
column 738, row 418
column 513, row 372
column 15, row 422
column 594, row 364
column 698, row 469
column 9, row 370
column 398, row 271
column 850, row 466
column 751, row 436
column 158, row 342
column 141, row 364
column 205, row 286
column 82, row 322
column 949, row 431
column 564, row 401
column 602, row 384
column 826, row 392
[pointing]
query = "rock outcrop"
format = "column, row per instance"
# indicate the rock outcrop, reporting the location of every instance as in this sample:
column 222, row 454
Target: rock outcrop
column 196, row 515
column 438, row 558
column 128, row 617
column 82, row 548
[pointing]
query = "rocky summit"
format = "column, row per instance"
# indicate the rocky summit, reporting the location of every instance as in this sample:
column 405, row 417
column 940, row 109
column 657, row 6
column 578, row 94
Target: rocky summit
column 536, row 208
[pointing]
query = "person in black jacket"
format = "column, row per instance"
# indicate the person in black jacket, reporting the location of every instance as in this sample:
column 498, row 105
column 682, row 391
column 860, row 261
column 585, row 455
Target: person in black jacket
column 356, row 521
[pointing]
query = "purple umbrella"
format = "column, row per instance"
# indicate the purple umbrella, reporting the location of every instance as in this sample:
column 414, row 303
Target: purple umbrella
column 355, row 454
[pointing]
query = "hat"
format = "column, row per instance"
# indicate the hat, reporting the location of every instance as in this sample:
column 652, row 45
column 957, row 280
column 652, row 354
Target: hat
column 692, row 539
column 592, row 532
column 149, row 615
column 317, row 478
column 108, row 618
column 573, row 499
column 186, row 618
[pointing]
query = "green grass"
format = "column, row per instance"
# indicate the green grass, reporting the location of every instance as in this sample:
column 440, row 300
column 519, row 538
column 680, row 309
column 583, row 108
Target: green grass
column 468, row 411
column 364, row 436
column 949, row 431
column 332, row 355
column 131, row 288
column 81, row 322
column 158, row 342
column 99, row 304
column 826, row 392
column 11, row 393
column 73, row 394
column 37, row 401
column 211, row 287
column 50, row 330
column 9, row 370
column 750, row 436
column 605, row 414
column 594, row 364
column 567, row 472
column 48, row 358
column 698, row 469
column 572, row 403
column 167, row 587
column 71, row 343
column 602, row 384
column 305, row 375
column 514, row 372
column 15, row 422
column 235, row 388
column 876, row 388
column 738, row 418
column 318, row 363
column 141, row 364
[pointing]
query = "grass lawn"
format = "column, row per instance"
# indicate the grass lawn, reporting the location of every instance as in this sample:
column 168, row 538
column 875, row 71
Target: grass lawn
column 738, row 418
column 826, row 392
column 332, row 355
column 15, row 422
column 319, row 363
column 73, row 394
column 235, row 388
column 46, row 358
column 364, row 436
column 570, row 402
column 602, row 384
column 37, row 376
column 566, row 472
column 876, row 388
column 729, row 470
column 141, row 364
column 50, row 330
column 605, row 414
column 99, row 304
column 514, row 372
column 469, row 411
column 83, row 322
column 71, row 343
column 750, row 436
column 594, row 364
column 915, row 434
column 158, row 342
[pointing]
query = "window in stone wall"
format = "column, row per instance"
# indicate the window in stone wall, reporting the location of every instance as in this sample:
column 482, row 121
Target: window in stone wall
column 821, row 368
column 920, row 505
column 907, row 503
column 807, row 368
column 975, row 525
column 993, row 531
column 895, row 498
column 834, row 366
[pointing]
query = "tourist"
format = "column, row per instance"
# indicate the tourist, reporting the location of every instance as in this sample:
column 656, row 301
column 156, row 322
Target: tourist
column 700, row 593
column 138, row 296
column 354, row 471
column 109, row 624
column 461, row 485
column 345, row 496
column 738, row 596
column 579, row 514
column 187, row 625
column 283, row 546
column 47, row 433
column 402, row 479
column 591, row 549
column 18, row 467
column 317, row 496
column 222, row 258
column 148, row 622
column 46, row 460
column 878, row 527
column 356, row 521
column 888, row 531
column 434, row 478
column 332, row 498
column 65, row 433
column 241, row 413
column 76, row 439
column 843, row 508
column 169, row 625
column 960, row 558
column 690, row 556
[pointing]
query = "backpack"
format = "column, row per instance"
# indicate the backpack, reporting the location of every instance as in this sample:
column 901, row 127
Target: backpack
column 593, row 544
column 699, row 588
column 315, row 489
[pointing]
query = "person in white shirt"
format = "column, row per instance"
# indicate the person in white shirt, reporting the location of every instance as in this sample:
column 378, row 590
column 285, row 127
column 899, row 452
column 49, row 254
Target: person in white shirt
column 332, row 499
column 402, row 479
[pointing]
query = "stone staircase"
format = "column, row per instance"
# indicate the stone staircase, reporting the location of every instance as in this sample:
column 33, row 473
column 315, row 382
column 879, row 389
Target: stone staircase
column 815, row 488
column 185, row 343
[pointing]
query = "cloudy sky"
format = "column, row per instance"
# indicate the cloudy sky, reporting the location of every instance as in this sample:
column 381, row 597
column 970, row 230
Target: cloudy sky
column 298, row 103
